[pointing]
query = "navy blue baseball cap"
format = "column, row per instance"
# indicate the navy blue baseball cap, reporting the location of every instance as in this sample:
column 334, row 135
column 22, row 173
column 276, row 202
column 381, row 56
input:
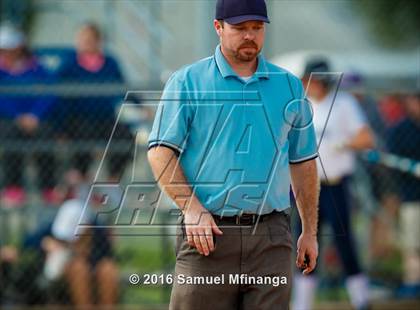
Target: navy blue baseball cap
column 238, row 11
column 318, row 65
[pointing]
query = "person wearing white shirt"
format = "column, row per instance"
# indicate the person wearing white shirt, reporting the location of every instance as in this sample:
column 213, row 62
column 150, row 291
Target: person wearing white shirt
column 87, row 256
column 341, row 130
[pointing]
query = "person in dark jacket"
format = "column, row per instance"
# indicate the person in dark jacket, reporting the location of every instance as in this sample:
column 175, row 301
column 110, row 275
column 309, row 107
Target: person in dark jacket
column 23, row 118
column 404, row 140
column 92, row 118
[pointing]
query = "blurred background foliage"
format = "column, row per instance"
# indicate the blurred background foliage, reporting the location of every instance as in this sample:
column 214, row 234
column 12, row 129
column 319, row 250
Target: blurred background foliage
column 392, row 22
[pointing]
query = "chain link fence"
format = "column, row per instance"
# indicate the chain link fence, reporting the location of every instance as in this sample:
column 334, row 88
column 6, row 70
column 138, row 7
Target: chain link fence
column 48, row 167
column 56, row 124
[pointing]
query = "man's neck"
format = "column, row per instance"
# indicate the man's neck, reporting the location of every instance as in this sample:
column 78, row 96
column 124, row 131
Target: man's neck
column 241, row 68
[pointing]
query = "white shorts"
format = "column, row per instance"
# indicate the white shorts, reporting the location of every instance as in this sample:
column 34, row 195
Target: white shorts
column 410, row 225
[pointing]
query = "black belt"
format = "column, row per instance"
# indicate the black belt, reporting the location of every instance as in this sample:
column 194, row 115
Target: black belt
column 246, row 218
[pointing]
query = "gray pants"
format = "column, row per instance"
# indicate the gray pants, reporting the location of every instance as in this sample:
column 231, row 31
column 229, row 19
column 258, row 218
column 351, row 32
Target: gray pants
column 249, row 269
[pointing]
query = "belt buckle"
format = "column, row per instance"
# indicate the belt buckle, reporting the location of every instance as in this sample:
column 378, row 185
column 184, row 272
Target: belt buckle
column 249, row 219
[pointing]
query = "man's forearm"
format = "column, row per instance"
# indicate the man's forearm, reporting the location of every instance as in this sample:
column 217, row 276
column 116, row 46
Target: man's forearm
column 200, row 224
column 170, row 176
column 363, row 140
column 305, row 186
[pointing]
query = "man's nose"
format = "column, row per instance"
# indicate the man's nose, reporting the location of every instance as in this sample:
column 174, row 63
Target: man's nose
column 249, row 35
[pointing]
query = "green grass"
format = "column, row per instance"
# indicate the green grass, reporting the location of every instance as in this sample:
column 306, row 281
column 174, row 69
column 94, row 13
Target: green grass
column 143, row 254
column 140, row 255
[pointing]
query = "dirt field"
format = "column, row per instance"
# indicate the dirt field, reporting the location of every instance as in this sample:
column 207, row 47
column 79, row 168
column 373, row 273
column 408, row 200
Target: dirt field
column 386, row 305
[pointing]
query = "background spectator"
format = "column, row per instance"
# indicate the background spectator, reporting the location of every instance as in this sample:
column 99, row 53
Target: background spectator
column 92, row 118
column 404, row 140
column 340, row 134
column 86, row 261
column 23, row 117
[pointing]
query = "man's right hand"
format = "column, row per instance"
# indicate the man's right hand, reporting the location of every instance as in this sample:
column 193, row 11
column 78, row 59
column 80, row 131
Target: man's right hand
column 199, row 227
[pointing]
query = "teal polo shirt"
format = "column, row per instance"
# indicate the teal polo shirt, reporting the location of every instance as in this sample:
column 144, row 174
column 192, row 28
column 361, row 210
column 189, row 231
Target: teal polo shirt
column 235, row 138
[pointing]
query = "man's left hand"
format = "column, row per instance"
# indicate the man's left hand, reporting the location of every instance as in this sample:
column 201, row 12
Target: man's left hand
column 307, row 252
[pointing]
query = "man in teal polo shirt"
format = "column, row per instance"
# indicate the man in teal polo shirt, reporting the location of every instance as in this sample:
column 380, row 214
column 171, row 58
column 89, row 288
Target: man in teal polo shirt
column 231, row 133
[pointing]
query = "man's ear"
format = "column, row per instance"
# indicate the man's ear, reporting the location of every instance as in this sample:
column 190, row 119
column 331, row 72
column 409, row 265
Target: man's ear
column 218, row 27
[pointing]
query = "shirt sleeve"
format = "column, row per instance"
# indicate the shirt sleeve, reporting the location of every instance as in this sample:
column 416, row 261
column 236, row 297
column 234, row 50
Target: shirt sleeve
column 173, row 117
column 302, row 138
column 66, row 220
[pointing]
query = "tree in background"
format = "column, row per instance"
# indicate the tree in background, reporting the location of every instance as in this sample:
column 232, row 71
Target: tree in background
column 393, row 22
column 18, row 13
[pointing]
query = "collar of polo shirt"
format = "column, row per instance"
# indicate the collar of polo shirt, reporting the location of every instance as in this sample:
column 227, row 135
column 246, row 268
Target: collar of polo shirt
column 226, row 70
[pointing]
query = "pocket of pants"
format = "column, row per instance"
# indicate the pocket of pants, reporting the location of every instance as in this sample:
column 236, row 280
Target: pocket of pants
column 280, row 230
column 289, row 221
column 180, row 236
